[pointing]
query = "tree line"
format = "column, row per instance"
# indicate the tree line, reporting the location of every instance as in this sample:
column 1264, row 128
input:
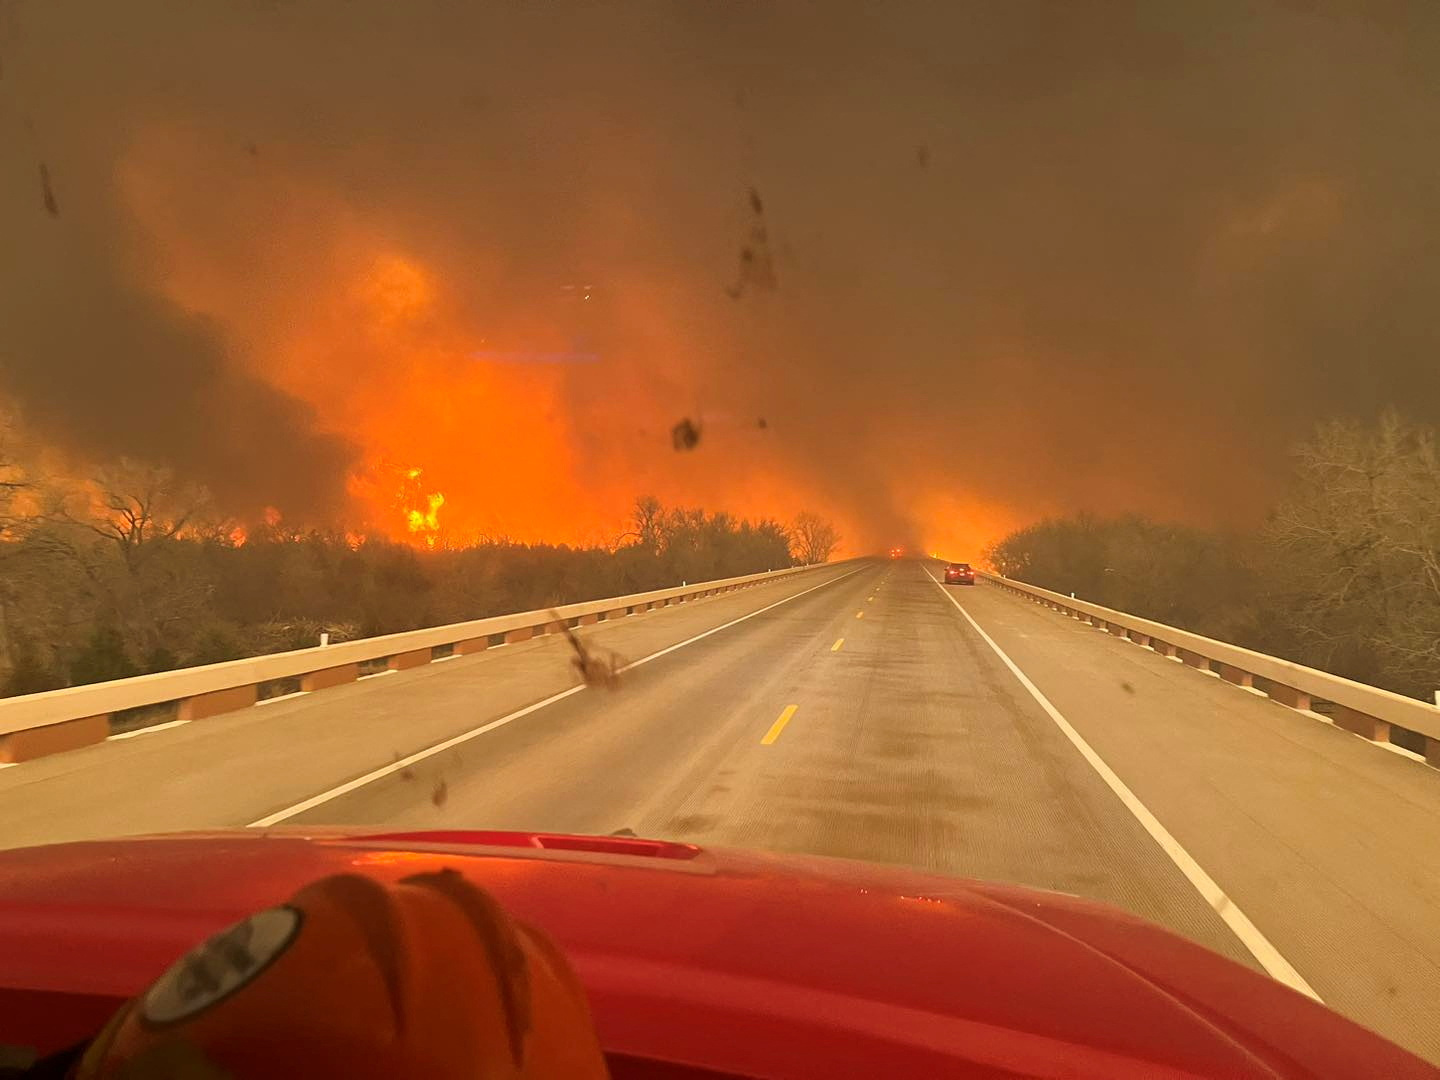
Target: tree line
column 1344, row 574
column 137, row 575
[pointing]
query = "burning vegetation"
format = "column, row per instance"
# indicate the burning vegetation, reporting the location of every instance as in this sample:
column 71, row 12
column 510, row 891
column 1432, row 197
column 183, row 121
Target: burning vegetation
column 129, row 570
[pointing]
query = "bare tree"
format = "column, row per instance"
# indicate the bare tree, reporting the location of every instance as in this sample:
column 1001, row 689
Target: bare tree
column 647, row 520
column 813, row 539
column 137, row 505
column 1356, row 552
column 123, row 532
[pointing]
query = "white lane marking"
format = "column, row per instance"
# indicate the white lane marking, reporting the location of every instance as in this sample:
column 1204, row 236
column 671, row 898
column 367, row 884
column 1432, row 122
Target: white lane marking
column 145, row 730
column 1249, row 934
column 283, row 697
column 404, row 763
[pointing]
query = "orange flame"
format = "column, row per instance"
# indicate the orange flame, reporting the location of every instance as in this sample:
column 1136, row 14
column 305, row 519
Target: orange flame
column 427, row 522
column 421, row 509
column 420, row 354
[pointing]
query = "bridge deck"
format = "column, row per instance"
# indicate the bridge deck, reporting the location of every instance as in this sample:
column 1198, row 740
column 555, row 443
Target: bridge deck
column 911, row 742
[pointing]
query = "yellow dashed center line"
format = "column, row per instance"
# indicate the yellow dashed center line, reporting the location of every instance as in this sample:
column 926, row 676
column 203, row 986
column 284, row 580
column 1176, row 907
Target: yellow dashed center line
column 838, row 642
column 779, row 725
column 859, row 614
column 869, row 600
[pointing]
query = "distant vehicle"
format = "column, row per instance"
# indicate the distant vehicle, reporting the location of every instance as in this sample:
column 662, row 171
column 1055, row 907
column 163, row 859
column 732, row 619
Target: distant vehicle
column 705, row 962
column 896, row 552
column 959, row 573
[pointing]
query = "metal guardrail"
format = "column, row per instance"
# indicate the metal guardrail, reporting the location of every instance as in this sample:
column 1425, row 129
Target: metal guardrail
column 1364, row 710
column 34, row 725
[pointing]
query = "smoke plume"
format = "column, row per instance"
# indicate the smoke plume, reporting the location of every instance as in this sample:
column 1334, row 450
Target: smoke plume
column 933, row 269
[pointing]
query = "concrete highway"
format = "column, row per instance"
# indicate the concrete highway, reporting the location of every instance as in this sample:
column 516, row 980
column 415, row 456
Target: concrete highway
column 857, row 711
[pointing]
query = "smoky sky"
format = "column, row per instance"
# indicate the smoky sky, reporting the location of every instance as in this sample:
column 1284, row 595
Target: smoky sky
column 1054, row 256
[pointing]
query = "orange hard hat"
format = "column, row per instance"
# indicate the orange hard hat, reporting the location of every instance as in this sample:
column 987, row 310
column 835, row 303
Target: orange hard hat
column 357, row 977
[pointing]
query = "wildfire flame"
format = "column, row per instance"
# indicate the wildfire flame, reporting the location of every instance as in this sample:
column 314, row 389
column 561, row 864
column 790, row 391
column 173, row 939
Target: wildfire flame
column 427, row 522
column 422, row 519
column 381, row 342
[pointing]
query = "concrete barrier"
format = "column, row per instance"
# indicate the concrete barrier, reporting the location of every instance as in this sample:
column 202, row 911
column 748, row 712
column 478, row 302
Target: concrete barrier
column 1365, row 710
column 34, row 725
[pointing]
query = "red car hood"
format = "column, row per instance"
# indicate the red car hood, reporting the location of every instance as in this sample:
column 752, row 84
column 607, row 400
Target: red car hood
column 747, row 964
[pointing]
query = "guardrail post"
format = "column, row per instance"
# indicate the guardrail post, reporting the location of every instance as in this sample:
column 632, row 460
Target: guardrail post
column 53, row 738
column 1194, row 659
column 219, row 701
column 472, row 645
column 328, row 677
column 1138, row 638
column 1369, row 727
column 1164, row 648
column 1432, row 751
column 1288, row 695
column 406, row 660
column 1235, row 675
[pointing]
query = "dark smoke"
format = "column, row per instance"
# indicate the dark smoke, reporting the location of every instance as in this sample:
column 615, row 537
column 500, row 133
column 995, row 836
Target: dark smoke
column 1053, row 256
column 109, row 370
column 98, row 360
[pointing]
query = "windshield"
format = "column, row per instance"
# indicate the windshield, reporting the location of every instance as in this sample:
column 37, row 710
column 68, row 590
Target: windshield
column 565, row 417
